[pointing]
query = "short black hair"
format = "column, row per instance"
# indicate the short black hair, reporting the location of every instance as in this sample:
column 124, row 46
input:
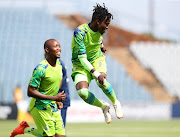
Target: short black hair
column 100, row 13
column 48, row 42
column 45, row 44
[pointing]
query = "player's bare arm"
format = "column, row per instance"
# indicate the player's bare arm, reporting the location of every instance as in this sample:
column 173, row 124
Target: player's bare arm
column 32, row 92
column 87, row 65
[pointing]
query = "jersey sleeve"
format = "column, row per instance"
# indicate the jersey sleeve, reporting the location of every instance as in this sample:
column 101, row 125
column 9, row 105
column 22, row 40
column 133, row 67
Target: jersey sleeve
column 87, row 65
column 37, row 75
column 79, row 40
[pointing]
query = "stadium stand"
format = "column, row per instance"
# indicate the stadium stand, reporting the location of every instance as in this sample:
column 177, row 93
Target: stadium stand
column 23, row 33
column 162, row 60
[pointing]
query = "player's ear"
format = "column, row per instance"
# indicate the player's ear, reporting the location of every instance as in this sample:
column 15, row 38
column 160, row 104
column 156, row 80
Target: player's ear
column 46, row 49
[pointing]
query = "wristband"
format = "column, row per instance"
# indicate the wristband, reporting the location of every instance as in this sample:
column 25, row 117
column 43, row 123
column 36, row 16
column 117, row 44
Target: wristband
column 96, row 73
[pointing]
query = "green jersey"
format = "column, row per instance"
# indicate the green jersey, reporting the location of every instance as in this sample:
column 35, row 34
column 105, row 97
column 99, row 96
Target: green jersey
column 86, row 41
column 47, row 80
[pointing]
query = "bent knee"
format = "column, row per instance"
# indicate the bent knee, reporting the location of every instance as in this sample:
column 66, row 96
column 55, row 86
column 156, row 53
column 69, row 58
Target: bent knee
column 83, row 93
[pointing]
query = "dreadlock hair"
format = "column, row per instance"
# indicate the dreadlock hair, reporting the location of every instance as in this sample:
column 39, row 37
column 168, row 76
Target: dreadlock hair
column 100, row 13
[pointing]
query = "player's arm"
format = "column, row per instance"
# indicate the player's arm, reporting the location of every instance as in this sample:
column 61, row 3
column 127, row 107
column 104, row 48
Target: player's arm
column 87, row 65
column 79, row 40
column 32, row 92
column 103, row 49
column 34, row 83
column 61, row 83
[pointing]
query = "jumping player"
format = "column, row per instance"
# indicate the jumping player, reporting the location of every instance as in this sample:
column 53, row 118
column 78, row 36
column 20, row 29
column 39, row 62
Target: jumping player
column 89, row 62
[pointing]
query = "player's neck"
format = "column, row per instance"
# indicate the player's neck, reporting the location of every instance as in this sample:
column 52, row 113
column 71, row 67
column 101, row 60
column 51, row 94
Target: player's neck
column 93, row 26
column 51, row 61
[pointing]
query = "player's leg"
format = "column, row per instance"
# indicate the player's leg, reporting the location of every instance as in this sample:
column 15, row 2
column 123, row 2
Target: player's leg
column 100, row 65
column 59, row 125
column 108, row 90
column 42, row 120
column 82, row 84
column 33, row 131
column 25, row 128
column 59, row 135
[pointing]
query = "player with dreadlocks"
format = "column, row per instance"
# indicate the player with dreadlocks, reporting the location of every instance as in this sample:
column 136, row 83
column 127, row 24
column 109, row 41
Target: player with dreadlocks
column 89, row 62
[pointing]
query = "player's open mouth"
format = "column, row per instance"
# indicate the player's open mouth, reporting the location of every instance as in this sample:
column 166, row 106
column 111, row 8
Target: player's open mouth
column 59, row 53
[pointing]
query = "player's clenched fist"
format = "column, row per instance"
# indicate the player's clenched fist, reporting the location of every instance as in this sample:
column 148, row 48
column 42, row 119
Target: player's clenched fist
column 101, row 78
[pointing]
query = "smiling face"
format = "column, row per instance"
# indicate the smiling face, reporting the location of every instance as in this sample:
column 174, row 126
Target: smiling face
column 103, row 25
column 53, row 49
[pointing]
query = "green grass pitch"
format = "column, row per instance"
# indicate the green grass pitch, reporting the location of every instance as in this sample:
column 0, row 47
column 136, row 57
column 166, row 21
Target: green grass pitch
column 121, row 128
